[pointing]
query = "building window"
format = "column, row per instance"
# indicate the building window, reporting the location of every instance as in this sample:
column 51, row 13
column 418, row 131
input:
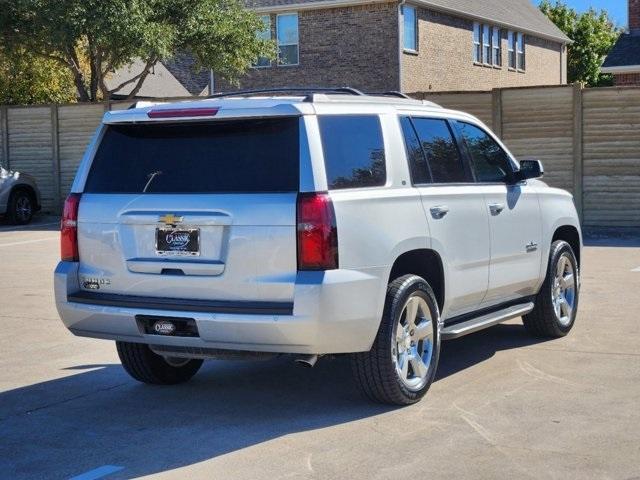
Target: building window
column 410, row 28
column 477, row 47
column 287, row 33
column 496, row 44
column 486, row 44
column 522, row 64
column 512, row 39
column 264, row 34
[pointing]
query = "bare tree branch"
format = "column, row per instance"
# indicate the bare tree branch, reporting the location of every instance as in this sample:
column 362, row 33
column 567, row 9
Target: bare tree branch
column 139, row 78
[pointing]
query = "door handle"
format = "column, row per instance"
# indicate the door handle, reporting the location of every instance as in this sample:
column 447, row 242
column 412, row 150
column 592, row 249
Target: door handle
column 439, row 211
column 496, row 208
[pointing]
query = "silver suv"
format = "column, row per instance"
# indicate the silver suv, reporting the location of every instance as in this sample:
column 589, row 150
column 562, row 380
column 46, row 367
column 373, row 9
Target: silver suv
column 312, row 224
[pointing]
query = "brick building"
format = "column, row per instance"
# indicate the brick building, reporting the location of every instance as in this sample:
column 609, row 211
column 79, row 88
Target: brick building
column 421, row 45
column 404, row 45
column 624, row 59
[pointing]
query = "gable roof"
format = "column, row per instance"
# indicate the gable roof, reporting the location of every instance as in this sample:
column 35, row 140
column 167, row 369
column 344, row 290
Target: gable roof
column 183, row 66
column 521, row 15
column 624, row 56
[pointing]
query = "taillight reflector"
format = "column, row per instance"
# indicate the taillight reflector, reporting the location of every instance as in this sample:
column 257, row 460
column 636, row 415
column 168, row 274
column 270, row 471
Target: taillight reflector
column 69, row 229
column 182, row 112
column 317, row 232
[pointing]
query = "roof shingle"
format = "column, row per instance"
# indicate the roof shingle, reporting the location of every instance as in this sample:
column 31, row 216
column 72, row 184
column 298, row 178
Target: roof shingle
column 625, row 53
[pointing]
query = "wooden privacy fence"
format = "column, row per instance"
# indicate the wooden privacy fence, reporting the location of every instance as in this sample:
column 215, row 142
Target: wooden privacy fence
column 588, row 140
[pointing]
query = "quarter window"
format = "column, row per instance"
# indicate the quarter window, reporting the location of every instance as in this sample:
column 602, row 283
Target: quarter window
column 264, row 34
column 287, row 33
column 441, row 152
column 353, row 151
column 410, row 31
column 489, row 161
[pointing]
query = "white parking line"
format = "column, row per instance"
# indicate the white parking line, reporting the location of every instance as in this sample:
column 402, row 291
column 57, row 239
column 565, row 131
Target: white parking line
column 27, row 241
column 98, row 472
column 635, row 269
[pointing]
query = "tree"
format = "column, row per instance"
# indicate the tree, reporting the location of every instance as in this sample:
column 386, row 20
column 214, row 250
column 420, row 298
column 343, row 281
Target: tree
column 92, row 38
column 593, row 34
column 25, row 79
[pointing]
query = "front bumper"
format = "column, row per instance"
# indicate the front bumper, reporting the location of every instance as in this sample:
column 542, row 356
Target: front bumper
column 336, row 311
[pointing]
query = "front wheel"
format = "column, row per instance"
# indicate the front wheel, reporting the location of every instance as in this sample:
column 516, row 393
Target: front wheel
column 556, row 304
column 148, row 367
column 401, row 365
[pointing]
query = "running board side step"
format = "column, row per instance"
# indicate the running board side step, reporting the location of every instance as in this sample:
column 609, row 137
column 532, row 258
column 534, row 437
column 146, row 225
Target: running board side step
column 485, row 321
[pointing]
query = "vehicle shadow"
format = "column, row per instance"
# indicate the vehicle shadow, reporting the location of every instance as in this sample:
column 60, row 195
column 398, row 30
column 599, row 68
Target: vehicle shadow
column 40, row 223
column 71, row 425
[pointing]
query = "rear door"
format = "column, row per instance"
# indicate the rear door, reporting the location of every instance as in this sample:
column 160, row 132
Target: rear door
column 455, row 210
column 202, row 210
column 514, row 218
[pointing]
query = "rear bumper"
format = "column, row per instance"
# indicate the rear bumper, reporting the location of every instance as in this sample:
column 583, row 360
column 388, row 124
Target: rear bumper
column 336, row 311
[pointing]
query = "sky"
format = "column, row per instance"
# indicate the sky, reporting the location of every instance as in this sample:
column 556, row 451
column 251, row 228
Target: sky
column 616, row 8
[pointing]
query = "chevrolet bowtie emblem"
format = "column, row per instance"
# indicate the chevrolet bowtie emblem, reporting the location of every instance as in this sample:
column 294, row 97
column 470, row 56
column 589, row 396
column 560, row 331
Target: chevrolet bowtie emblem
column 170, row 219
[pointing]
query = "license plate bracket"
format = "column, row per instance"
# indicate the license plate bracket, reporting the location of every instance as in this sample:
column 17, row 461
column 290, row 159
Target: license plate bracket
column 183, row 241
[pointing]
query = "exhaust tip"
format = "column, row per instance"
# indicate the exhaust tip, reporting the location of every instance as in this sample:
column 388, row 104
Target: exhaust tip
column 307, row 361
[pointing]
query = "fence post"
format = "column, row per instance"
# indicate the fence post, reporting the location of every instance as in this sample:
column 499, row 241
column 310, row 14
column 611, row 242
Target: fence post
column 4, row 130
column 578, row 176
column 496, row 114
column 55, row 150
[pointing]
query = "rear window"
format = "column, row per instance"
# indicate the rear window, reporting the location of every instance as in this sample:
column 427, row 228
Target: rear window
column 250, row 156
column 353, row 151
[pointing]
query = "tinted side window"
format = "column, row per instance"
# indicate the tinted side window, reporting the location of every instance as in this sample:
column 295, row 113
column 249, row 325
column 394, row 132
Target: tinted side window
column 240, row 156
column 417, row 162
column 441, row 150
column 490, row 162
column 353, row 151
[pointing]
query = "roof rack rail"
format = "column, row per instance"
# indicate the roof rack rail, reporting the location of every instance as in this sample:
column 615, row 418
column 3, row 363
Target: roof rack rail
column 308, row 91
column 394, row 93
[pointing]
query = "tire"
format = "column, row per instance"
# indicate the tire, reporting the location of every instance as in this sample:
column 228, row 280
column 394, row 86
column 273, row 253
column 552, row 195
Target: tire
column 379, row 373
column 20, row 207
column 147, row 367
column 556, row 305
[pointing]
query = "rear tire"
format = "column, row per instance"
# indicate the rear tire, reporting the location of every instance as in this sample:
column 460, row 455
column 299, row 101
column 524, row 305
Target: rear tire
column 145, row 366
column 556, row 304
column 20, row 208
column 402, row 362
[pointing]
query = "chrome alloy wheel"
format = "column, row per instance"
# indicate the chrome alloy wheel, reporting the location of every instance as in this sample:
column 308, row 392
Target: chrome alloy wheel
column 23, row 209
column 563, row 290
column 412, row 346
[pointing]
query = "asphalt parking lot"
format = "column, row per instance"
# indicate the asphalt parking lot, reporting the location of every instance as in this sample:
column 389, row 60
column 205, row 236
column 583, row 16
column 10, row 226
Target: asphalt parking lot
column 504, row 405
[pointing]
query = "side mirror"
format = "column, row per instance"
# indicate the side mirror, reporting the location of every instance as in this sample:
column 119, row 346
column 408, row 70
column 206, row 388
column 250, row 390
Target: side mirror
column 530, row 169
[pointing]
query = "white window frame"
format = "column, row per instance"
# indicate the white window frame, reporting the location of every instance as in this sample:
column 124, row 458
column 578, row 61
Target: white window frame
column 496, row 47
column 521, row 59
column 477, row 42
column 415, row 29
column 486, row 44
column 287, row 14
column 266, row 28
column 513, row 58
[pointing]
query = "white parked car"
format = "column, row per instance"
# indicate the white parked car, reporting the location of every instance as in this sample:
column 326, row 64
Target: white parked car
column 312, row 224
column 19, row 196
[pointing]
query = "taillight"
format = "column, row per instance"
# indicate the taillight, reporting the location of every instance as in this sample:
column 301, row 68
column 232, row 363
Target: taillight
column 317, row 232
column 69, row 229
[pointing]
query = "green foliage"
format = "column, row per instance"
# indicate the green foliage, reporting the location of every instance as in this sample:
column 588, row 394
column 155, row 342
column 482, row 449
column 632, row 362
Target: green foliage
column 92, row 38
column 593, row 34
column 27, row 79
